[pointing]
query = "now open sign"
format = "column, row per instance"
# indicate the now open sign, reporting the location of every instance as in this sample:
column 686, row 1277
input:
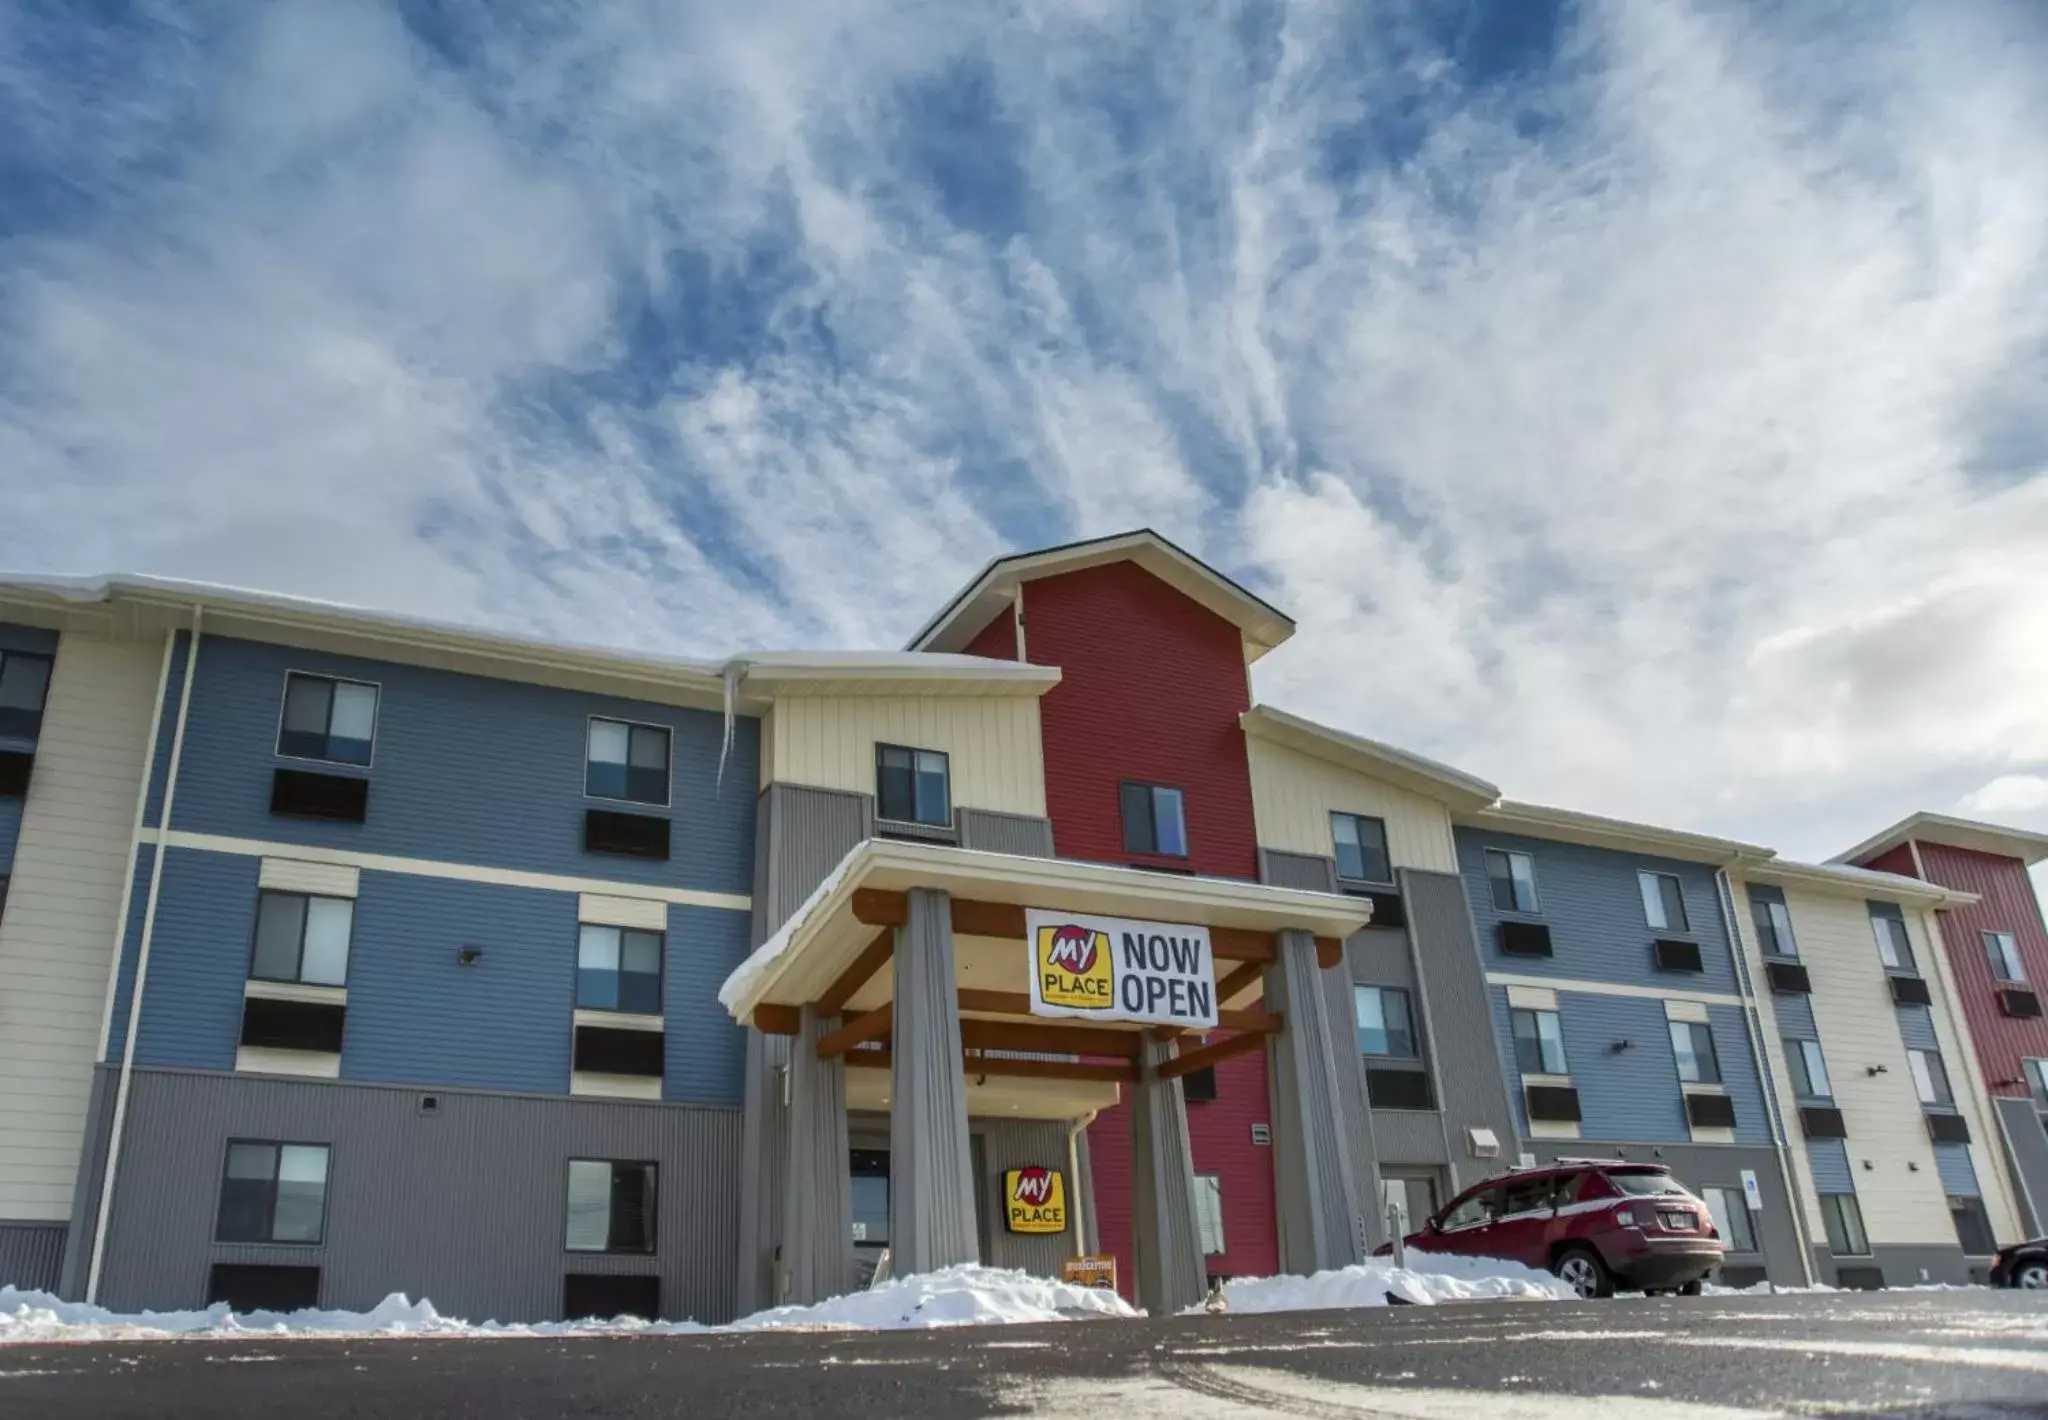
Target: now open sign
column 1116, row 969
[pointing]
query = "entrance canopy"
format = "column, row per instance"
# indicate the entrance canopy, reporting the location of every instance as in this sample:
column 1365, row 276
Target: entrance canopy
column 834, row 955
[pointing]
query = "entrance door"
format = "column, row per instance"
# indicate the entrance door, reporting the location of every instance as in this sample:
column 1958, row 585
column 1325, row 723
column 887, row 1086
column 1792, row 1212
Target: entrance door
column 870, row 1170
column 1413, row 1192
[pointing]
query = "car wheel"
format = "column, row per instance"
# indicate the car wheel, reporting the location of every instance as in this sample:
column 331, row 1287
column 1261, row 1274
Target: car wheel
column 2033, row 1276
column 1582, row 1270
column 1690, row 1289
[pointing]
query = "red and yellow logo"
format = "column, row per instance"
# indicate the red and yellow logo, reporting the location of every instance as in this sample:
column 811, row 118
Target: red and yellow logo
column 1035, row 1199
column 1074, row 968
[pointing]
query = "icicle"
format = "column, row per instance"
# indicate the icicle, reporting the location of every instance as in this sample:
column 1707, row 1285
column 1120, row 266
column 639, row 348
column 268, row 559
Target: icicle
column 735, row 670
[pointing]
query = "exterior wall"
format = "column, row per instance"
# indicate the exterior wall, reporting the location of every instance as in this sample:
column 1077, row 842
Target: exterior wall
column 1295, row 794
column 992, row 743
column 1007, row 1144
column 465, row 1205
column 31, row 1255
column 58, row 934
column 1005, row 833
column 997, row 640
column 2008, row 904
column 1780, row 1018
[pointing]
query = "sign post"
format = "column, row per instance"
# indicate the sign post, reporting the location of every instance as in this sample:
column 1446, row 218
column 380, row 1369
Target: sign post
column 1753, row 1199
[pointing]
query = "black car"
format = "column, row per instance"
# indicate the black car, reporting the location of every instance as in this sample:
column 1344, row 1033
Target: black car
column 2022, row 1265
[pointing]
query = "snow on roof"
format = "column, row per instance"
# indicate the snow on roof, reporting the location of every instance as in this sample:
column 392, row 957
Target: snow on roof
column 1341, row 746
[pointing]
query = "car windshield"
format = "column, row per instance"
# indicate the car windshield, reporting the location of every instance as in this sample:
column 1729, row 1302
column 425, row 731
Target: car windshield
column 1642, row 1185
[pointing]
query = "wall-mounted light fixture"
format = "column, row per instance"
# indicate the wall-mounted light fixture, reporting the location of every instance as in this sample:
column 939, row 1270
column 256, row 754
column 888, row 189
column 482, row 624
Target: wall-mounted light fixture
column 470, row 956
column 1877, row 1070
column 1622, row 1045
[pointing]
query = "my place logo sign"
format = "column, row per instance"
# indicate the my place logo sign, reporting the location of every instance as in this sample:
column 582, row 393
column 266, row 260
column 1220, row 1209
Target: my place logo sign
column 1035, row 1200
column 1114, row 969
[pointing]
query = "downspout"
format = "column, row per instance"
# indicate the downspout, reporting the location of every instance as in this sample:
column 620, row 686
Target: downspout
column 1781, row 1144
column 1074, row 1204
column 156, row 724
column 156, row 877
column 1979, row 1091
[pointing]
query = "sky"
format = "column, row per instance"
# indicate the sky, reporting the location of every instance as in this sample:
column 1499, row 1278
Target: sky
column 1640, row 403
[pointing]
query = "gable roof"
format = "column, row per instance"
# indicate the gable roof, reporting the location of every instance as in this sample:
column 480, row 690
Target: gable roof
column 1596, row 831
column 2029, row 848
column 1853, row 882
column 1370, row 758
column 1263, row 625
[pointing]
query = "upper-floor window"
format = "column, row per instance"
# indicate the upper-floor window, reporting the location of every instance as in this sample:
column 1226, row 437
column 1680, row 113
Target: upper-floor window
column 618, row 969
column 302, row 938
column 24, row 682
column 1361, row 848
column 2004, row 950
column 1893, row 945
column 324, row 718
column 2036, row 1072
column 1773, row 921
column 1843, row 1220
column 1539, row 1042
column 912, row 786
column 1730, row 1212
column 627, row 762
column 611, row 1206
column 1385, row 1026
column 1930, row 1078
column 1693, row 1043
column 1513, row 876
column 272, row 1193
column 1663, row 901
column 1809, row 1069
column 1155, row 820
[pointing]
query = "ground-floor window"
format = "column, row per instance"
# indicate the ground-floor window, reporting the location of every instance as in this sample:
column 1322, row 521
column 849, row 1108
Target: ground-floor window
column 1414, row 1194
column 1731, row 1217
column 611, row 1206
column 1844, row 1223
column 1973, row 1226
column 870, row 1168
column 1209, row 1212
column 273, row 1193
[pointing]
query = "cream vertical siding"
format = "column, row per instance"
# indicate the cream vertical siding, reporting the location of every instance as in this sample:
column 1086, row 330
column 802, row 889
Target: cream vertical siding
column 996, row 755
column 1852, row 1007
column 1966, row 1080
column 1808, row 1201
column 1294, row 794
column 63, row 911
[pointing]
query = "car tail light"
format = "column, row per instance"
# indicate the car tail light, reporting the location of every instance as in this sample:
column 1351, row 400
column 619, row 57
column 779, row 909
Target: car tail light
column 1627, row 1216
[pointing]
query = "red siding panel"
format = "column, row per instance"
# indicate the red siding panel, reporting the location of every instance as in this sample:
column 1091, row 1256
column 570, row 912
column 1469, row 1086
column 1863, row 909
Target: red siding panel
column 1899, row 860
column 2009, row 905
column 997, row 640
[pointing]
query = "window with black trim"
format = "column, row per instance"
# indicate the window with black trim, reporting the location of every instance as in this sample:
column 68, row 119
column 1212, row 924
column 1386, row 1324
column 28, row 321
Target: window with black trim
column 1361, row 848
column 273, row 1193
column 1973, row 1226
column 1808, row 1069
column 1155, row 820
column 1729, row 1209
column 302, row 938
column 2003, row 949
column 618, row 969
column 913, row 786
column 611, row 1206
column 1930, row 1077
column 1843, row 1220
column 1539, row 1042
column 1663, row 901
column 1385, row 1024
column 1692, row 1042
column 1513, row 876
column 1772, row 920
column 24, row 686
column 2036, row 1073
column 627, row 763
column 327, row 719
column 1894, row 947
column 1209, row 1212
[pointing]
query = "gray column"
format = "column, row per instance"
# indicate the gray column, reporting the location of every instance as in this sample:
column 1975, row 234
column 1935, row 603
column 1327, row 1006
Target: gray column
column 764, row 1160
column 1168, row 1242
column 931, row 1166
column 817, row 1209
column 1321, row 1216
column 1090, row 1238
column 1353, row 1099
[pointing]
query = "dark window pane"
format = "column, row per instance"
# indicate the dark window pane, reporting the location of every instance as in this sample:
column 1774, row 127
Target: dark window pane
column 647, row 772
column 1528, row 1049
column 1344, row 831
column 353, row 723
column 24, row 681
column 1169, row 825
column 245, row 1193
column 895, row 784
column 605, row 763
column 934, row 803
column 301, row 1193
column 306, row 704
column 640, row 972
column 1137, row 805
column 1362, row 849
column 1674, row 902
column 632, row 1220
column 280, row 924
column 1973, row 1227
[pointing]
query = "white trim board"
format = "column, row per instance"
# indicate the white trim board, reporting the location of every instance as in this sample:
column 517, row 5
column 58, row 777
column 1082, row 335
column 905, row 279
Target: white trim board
column 459, row 872
column 1610, row 988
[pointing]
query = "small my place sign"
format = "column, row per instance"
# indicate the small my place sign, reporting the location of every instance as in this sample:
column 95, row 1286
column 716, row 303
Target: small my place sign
column 1116, row 969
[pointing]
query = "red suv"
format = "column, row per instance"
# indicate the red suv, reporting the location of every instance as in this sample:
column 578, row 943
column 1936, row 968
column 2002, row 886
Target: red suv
column 1597, row 1224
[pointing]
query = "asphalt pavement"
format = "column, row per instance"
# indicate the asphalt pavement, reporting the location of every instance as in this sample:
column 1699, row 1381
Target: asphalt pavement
column 1900, row 1354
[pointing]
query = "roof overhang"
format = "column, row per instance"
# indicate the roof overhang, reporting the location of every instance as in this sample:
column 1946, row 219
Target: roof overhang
column 1854, row 882
column 1263, row 626
column 1462, row 791
column 781, row 675
column 1971, row 834
column 1594, row 831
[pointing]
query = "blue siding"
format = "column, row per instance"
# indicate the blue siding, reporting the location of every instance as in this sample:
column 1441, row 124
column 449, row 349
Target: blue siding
column 166, row 731
column 1830, row 1161
column 416, row 1015
column 468, row 770
column 1916, row 1028
column 131, row 943
column 27, row 638
column 705, row 1052
column 1958, row 1175
column 1594, row 908
column 1795, row 1017
column 198, row 960
column 10, row 833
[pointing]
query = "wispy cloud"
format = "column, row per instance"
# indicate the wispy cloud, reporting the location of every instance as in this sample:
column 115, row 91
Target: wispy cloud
column 1644, row 403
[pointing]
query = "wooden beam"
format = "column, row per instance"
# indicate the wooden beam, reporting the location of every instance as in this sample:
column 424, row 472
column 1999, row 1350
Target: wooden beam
column 1329, row 952
column 1000, row 1068
column 775, row 1020
column 878, row 908
column 1237, row 980
column 1209, row 1054
column 988, row 919
column 1048, row 1038
column 1018, row 1003
column 871, row 960
column 869, row 1025
column 1241, row 944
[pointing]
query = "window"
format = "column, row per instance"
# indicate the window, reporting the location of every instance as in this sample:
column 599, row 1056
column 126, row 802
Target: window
column 627, row 762
column 1892, row 943
column 1730, row 1211
column 1154, row 821
column 1513, row 876
column 273, row 1193
column 1539, row 1043
column 24, row 682
column 2004, row 951
column 302, row 939
column 1663, row 902
column 1773, row 921
column 1930, row 1080
column 911, row 786
column 2036, row 1072
column 618, row 969
column 870, row 1169
column 1973, row 1226
column 1480, row 1207
column 1415, row 1196
column 334, row 720
column 1693, row 1043
column 1361, row 848
column 1844, row 1223
column 1209, row 1212
column 1384, row 1025
column 1809, row 1070
column 611, row 1206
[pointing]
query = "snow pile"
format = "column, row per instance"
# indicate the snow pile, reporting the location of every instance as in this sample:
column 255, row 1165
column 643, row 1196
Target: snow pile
column 957, row 1296
column 1448, row 1279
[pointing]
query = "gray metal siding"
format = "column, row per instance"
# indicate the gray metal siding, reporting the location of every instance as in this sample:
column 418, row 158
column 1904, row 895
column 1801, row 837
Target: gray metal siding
column 85, row 1193
column 1380, row 956
column 1297, row 870
column 1014, row 1145
column 809, row 831
column 1795, row 1017
column 31, row 1255
column 2026, row 1150
column 1916, row 1028
column 1457, row 1020
column 1829, row 1159
column 1403, row 1137
column 1958, row 1175
column 465, row 1206
column 992, row 832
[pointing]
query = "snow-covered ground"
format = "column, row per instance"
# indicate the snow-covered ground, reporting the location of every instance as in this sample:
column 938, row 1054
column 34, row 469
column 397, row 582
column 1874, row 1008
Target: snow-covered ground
column 1429, row 1280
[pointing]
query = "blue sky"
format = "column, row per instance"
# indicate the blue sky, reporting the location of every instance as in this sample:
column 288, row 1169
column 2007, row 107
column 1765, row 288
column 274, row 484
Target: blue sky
column 1643, row 403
